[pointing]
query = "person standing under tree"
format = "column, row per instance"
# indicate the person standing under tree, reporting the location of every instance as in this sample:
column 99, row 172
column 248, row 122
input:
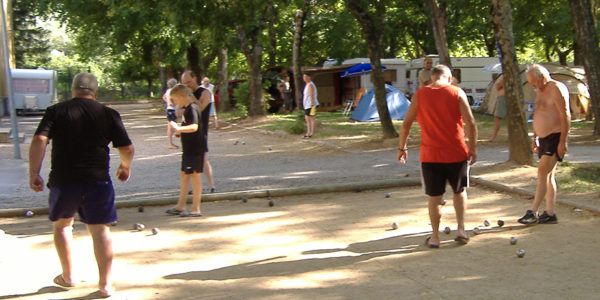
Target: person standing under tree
column 310, row 103
column 440, row 108
column 551, row 124
column 500, row 110
column 213, row 108
column 424, row 77
column 170, row 109
column 80, row 130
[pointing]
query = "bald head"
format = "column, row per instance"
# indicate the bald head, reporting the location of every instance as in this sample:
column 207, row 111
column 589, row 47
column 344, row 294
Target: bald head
column 441, row 73
column 190, row 79
column 85, row 85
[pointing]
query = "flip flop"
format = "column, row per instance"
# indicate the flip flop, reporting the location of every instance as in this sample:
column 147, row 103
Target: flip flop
column 187, row 214
column 462, row 240
column 174, row 211
column 59, row 280
column 432, row 246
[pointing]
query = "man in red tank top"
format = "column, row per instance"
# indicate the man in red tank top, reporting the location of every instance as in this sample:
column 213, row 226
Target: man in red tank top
column 442, row 109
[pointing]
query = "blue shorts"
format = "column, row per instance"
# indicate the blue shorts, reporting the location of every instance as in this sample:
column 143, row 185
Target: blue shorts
column 94, row 201
column 171, row 115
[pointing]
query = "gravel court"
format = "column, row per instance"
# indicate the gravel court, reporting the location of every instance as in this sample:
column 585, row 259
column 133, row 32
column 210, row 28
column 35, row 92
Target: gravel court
column 329, row 246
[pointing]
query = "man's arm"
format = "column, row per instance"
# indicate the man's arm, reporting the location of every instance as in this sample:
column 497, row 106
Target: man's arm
column 561, row 102
column 409, row 119
column 37, row 151
column 124, row 169
column 204, row 100
column 471, row 128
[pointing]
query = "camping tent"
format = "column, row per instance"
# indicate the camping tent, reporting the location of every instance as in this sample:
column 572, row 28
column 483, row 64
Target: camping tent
column 366, row 111
column 572, row 77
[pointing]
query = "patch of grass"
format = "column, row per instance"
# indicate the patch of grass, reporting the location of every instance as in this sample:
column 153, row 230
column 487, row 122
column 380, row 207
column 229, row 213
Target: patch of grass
column 579, row 178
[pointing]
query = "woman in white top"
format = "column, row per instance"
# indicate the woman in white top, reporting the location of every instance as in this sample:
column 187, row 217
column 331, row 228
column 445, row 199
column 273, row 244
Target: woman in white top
column 310, row 103
column 170, row 109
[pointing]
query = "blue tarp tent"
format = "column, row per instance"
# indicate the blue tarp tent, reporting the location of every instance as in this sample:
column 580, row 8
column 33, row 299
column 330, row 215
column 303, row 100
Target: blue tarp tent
column 366, row 111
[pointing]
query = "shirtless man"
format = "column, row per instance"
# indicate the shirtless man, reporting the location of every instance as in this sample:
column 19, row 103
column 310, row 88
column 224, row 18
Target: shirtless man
column 424, row 77
column 500, row 111
column 551, row 122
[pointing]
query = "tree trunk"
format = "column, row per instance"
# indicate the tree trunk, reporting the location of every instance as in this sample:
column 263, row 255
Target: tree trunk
column 562, row 56
column 587, row 38
column 372, row 28
column 272, row 34
column 149, row 92
column 577, row 55
column 10, row 32
column 193, row 58
column 519, row 145
column 253, row 51
column 224, row 102
column 297, row 46
column 439, row 22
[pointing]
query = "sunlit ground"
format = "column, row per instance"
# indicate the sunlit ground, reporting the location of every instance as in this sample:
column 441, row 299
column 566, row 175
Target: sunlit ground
column 329, row 246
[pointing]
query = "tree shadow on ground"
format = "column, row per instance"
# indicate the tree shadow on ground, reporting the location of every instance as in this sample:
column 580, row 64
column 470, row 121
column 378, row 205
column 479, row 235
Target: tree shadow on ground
column 44, row 290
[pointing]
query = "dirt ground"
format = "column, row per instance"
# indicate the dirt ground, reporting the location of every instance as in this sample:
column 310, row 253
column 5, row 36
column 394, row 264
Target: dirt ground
column 329, row 246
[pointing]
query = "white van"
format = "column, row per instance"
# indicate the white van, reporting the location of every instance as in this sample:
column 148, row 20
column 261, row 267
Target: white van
column 394, row 72
column 34, row 90
column 472, row 78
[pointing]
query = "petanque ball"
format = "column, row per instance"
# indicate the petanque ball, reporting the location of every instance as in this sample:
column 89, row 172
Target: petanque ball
column 394, row 226
column 521, row 253
column 500, row 223
column 138, row 226
column 245, row 200
column 270, row 148
column 387, row 195
column 486, row 223
column 513, row 240
column 447, row 230
column 141, row 208
column 476, row 230
column 235, row 143
column 155, row 231
column 243, row 142
column 271, row 203
column 29, row 214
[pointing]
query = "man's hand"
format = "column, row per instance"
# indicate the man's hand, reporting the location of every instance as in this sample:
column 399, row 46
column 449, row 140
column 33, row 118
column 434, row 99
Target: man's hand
column 36, row 183
column 402, row 156
column 123, row 173
column 534, row 146
column 562, row 149
column 472, row 157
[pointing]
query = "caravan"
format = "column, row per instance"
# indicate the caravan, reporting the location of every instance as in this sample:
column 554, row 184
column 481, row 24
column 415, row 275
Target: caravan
column 469, row 71
column 34, row 90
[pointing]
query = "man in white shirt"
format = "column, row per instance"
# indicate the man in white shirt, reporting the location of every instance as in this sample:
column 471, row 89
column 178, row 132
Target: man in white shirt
column 213, row 110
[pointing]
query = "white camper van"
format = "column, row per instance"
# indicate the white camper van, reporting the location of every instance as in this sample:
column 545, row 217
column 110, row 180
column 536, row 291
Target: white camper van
column 395, row 72
column 34, row 90
column 469, row 71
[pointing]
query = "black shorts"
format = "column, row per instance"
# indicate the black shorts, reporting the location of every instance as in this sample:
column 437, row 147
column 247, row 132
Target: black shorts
column 549, row 145
column 94, row 201
column 171, row 115
column 311, row 112
column 435, row 175
column 192, row 163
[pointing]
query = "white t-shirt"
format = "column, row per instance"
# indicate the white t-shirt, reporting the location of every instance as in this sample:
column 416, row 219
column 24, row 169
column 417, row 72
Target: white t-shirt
column 211, row 89
column 167, row 98
column 306, row 101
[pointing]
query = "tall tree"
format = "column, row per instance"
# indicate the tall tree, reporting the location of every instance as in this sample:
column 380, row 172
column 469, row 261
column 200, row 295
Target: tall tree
column 439, row 22
column 31, row 47
column 223, row 79
column 587, row 39
column 299, row 19
column 369, row 16
column 519, row 143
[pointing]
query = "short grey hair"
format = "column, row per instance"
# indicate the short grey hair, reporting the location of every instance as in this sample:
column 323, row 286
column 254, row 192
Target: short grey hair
column 85, row 84
column 538, row 70
column 441, row 70
column 171, row 83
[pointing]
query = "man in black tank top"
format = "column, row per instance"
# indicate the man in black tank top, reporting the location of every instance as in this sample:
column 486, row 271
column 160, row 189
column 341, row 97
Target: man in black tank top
column 190, row 79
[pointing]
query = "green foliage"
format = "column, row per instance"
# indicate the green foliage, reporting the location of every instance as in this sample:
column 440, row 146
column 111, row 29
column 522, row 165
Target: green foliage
column 298, row 126
column 32, row 49
column 241, row 94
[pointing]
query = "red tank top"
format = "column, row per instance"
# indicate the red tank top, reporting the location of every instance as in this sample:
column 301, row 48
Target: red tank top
column 442, row 133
